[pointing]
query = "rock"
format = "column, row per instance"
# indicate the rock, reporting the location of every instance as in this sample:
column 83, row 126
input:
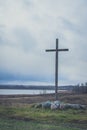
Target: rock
column 75, row 106
column 59, row 105
column 62, row 106
column 72, row 106
column 55, row 105
column 46, row 104
column 39, row 105
column 83, row 107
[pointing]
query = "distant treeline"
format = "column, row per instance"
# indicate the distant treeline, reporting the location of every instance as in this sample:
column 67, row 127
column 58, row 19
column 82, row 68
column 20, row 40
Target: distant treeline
column 41, row 87
column 80, row 88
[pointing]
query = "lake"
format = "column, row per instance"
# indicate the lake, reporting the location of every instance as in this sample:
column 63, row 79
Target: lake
column 24, row 91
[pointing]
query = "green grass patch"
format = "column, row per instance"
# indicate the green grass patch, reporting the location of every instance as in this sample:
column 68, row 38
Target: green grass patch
column 28, row 118
column 9, row 124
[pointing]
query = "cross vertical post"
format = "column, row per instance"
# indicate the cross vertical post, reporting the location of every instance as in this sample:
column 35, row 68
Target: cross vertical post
column 56, row 66
column 56, row 71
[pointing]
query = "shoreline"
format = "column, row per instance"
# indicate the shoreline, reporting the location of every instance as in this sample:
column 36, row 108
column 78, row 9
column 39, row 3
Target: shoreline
column 33, row 95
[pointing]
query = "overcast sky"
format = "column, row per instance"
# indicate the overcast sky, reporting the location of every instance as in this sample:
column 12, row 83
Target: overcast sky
column 29, row 27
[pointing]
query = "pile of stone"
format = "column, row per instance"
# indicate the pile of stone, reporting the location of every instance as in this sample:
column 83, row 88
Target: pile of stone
column 59, row 105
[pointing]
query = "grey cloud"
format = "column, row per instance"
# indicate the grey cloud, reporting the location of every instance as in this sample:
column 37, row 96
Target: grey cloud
column 3, row 39
column 27, row 2
column 68, row 24
column 25, row 39
column 34, row 25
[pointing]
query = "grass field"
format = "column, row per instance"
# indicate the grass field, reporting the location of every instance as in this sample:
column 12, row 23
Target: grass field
column 16, row 116
column 6, row 124
column 28, row 118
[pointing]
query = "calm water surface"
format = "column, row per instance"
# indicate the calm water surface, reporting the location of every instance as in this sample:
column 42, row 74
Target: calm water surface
column 20, row 91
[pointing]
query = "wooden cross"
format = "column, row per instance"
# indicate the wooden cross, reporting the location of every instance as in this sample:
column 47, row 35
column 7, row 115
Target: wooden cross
column 56, row 66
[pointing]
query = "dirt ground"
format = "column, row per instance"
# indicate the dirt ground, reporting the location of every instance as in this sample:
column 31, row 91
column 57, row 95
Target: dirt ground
column 10, row 100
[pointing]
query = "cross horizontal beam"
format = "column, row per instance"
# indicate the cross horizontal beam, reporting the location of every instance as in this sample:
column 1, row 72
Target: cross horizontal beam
column 57, row 50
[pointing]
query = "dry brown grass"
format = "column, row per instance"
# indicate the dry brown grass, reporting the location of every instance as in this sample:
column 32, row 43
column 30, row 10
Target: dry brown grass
column 9, row 100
